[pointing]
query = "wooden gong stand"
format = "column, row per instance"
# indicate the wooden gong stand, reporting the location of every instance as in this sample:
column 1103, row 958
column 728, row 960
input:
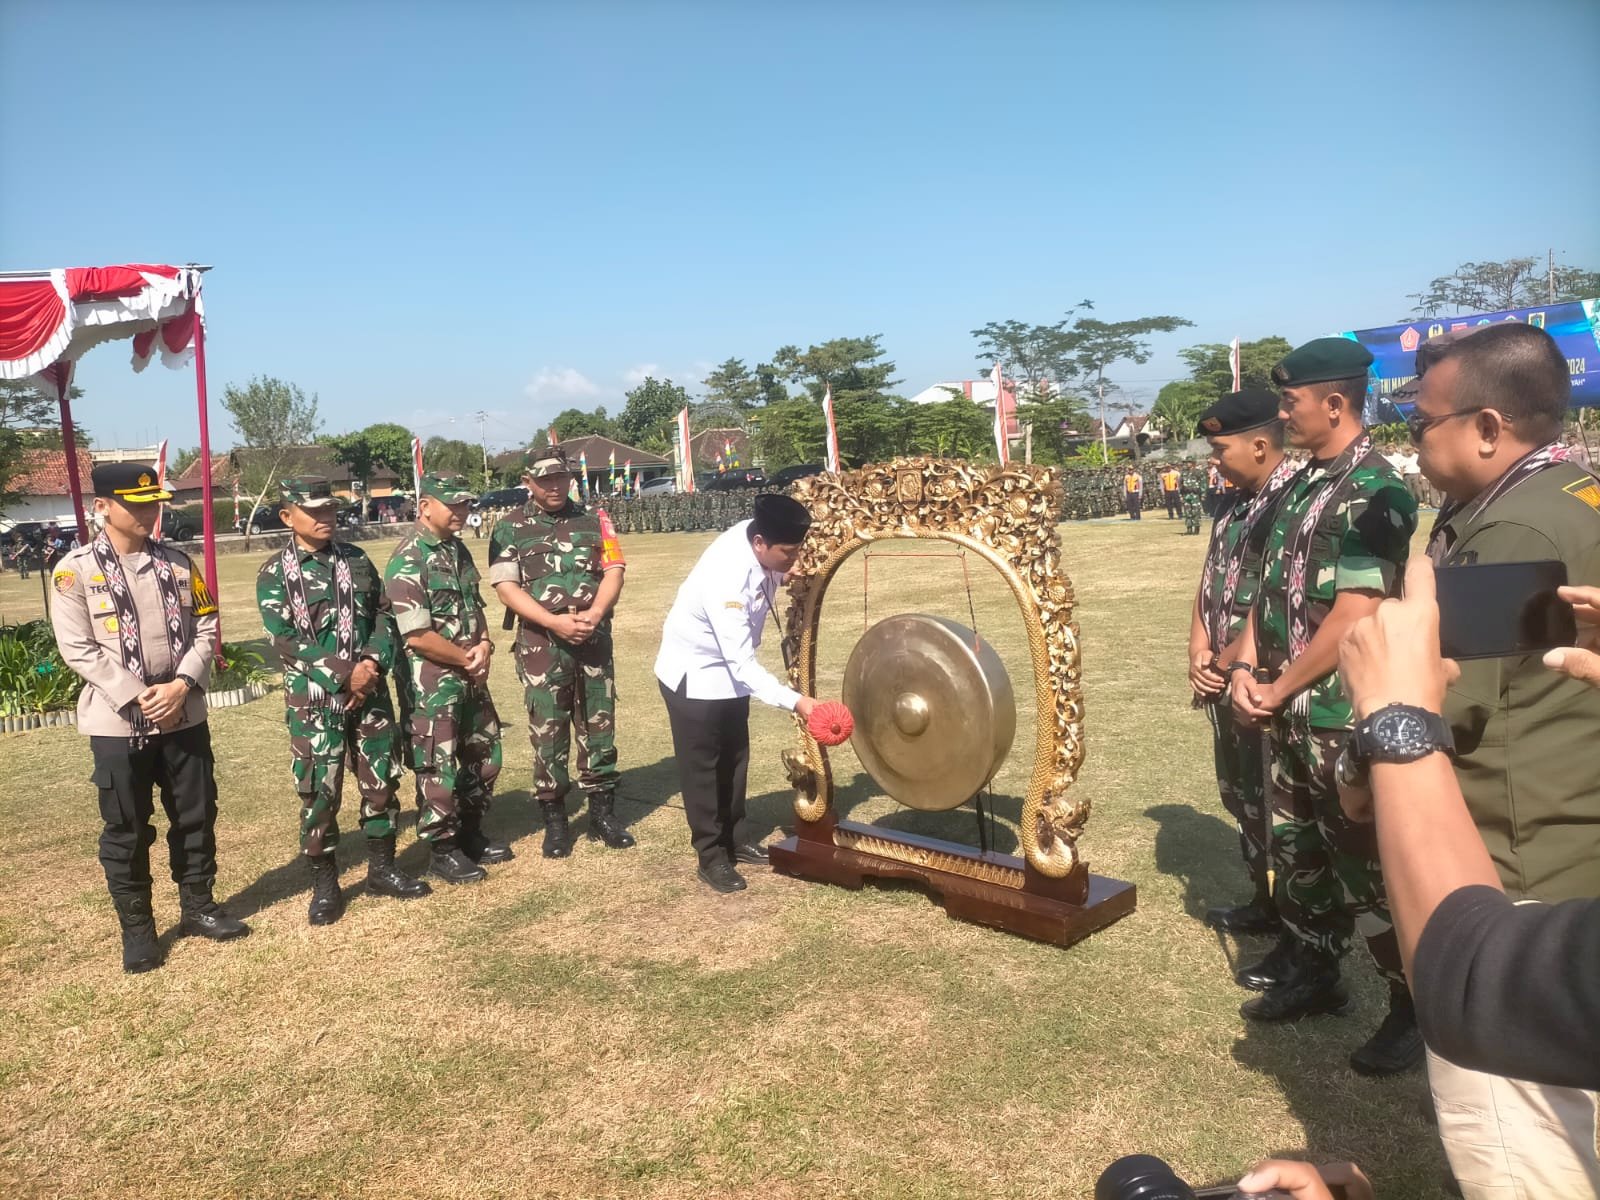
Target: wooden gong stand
column 1006, row 516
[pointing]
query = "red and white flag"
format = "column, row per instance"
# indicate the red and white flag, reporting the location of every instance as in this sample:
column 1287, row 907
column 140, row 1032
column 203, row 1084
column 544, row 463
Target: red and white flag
column 1002, row 422
column 1233, row 361
column 161, row 482
column 833, row 430
column 416, row 470
column 550, row 438
column 685, row 464
column 236, row 501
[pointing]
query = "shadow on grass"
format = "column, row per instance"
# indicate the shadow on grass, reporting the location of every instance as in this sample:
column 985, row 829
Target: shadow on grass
column 1203, row 851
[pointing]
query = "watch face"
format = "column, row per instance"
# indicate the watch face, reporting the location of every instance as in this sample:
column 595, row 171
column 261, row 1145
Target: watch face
column 1399, row 732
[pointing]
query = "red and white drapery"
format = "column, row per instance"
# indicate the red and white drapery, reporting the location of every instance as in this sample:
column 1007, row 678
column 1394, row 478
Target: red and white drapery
column 50, row 319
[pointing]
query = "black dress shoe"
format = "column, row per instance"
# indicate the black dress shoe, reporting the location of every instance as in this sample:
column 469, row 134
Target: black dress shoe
column 1397, row 1046
column 1313, row 988
column 452, row 866
column 327, row 902
column 204, row 917
column 721, row 877
column 1272, row 970
column 752, row 853
column 1255, row 917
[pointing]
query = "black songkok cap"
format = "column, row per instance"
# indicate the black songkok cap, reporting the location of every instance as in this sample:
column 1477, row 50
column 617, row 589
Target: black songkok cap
column 780, row 520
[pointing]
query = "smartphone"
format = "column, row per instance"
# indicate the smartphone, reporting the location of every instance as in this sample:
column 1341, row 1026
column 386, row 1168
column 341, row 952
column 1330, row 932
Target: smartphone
column 1503, row 610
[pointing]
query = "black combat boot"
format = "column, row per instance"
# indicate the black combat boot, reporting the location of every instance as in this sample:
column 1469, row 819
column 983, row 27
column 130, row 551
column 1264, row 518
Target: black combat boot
column 1259, row 916
column 204, row 916
column 327, row 901
column 557, row 836
column 1397, row 1046
column 1272, row 970
column 476, row 845
column 603, row 823
column 1312, row 987
column 140, row 950
column 386, row 879
column 452, row 866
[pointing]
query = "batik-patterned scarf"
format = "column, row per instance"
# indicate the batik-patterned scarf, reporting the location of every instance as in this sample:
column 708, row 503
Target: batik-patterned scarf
column 344, row 619
column 1214, row 616
column 1442, row 540
column 1298, row 545
column 105, row 558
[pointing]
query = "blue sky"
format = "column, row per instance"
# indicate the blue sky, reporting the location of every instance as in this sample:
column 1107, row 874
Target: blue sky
column 422, row 210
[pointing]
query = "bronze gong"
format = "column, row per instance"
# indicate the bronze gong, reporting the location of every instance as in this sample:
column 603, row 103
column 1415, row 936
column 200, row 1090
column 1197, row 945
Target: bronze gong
column 933, row 710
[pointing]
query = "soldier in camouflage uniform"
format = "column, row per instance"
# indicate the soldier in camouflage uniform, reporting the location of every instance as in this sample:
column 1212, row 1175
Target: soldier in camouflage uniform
column 445, row 705
column 557, row 567
column 1192, row 496
column 322, row 603
column 1338, row 546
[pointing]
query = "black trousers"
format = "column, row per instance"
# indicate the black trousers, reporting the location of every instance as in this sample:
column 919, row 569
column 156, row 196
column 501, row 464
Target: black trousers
column 711, row 741
column 1135, row 503
column 181, row 765
column 1172, row 504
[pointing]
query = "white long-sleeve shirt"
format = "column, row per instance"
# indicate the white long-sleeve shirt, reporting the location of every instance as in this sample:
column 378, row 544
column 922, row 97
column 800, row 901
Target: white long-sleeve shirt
column 715, row 624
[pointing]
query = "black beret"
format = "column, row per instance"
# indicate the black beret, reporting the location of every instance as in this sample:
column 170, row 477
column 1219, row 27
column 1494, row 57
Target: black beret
column 132, row 483
column 1239, row 411
column 1322, row 361
column 780, row 520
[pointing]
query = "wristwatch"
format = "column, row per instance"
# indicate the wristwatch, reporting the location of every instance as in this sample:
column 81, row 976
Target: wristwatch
column 189, row 679
column 1400, row 733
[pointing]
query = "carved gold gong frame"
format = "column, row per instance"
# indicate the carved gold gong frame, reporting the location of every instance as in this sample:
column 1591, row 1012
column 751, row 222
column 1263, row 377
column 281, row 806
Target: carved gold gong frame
column 1006, row 516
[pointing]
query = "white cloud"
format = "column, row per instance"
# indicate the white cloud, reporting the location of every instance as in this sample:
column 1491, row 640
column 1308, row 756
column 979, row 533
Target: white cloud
column 560, row 384
column 636, row 375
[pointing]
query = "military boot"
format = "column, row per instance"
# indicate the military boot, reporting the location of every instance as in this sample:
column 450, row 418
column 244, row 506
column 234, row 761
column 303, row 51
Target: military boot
column 386, row 879
column 1312, row 987
column 1258, row 916
column 202, row 915
column 327, row 902
column 475, row 844
column 1397, row 1046
column 452, row 866
column 140, row 950
column 1272, row 970
column 603, row 823
column 557, row 836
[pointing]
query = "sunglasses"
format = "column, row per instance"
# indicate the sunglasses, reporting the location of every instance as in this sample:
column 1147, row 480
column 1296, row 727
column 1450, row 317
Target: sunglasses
column 1417, row 424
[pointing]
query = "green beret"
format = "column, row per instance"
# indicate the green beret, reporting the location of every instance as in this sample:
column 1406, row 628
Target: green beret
column 547, row 462
column 1322, row 361
column 452, row 489
column 308, row 491
column 1239, row 411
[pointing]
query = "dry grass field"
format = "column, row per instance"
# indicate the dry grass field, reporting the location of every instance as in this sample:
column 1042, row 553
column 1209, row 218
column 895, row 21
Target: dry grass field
column 606, row 1026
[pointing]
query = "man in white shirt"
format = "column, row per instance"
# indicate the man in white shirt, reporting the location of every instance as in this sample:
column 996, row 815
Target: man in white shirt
column 708, row 671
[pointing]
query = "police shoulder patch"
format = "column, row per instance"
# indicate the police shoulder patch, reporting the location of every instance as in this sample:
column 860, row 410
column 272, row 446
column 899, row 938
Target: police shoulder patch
column 64, row 580
column 1586, row 490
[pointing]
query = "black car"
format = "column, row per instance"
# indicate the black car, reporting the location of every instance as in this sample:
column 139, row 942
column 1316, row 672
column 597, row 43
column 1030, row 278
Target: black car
column 739, row 477
column 783, row 478
column 514, row 497
column 178, row 526
column 264, row 520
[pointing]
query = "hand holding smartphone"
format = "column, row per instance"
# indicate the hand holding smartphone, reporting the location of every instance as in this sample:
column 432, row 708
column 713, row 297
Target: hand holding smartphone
column 1503, row 610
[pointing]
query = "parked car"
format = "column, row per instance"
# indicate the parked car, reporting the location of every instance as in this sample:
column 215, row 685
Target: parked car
column 665, row 486
column 783, row 478
column 177, row 525
column 739, row 477
column 264, row 520
column 512, row 497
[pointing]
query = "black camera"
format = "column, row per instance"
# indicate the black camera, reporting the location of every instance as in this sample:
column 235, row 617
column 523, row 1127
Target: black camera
column 1146, row 1177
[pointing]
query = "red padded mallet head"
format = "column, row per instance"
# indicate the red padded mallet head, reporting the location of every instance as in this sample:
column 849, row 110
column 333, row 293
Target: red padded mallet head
column 831, row 723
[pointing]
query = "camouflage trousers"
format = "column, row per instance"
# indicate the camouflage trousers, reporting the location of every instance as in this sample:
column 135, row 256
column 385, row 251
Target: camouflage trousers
column 1193, row 511
column 1241, row 778
column 321, row 742
column 1329, row 883
column 454, row 734
column 570, row 693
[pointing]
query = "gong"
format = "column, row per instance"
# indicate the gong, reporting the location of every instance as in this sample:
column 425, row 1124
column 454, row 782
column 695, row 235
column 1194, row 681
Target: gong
column 933, row 710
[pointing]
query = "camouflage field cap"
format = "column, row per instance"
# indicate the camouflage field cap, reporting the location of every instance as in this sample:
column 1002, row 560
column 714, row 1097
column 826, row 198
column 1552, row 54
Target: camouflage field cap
column 552, row 460
column 451, row 489
column 308, row 491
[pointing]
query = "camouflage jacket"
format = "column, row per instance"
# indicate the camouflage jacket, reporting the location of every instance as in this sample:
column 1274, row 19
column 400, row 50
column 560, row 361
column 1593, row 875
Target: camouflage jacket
column 557, row 558
column 1192, row 482
column 313, row 666
column 1361, row 541
column 432, row 583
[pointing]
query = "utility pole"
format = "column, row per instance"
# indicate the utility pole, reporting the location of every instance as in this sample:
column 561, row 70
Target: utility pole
column 1100, row 388
column 483, row 444
column 1551, row 298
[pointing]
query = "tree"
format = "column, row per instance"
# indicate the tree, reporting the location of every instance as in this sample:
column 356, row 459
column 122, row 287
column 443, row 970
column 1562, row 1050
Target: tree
column 272, row 417
column 1497, row 286
column 382, row 445
column 1033, row 355
column 180, row 462
column 791, row 432
column 1099, row 344
column 1209, row 366
column 853, row 367
column 574, row 422
column 647, row 418
column 452, row 456
column 1058, row 420
column 1178, row 407
column 770, row 383
column 953, row 428
column 29, row 420
column 733, row 386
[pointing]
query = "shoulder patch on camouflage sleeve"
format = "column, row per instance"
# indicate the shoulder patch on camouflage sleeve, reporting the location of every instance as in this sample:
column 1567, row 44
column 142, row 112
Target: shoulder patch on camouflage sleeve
column 1586, row 490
